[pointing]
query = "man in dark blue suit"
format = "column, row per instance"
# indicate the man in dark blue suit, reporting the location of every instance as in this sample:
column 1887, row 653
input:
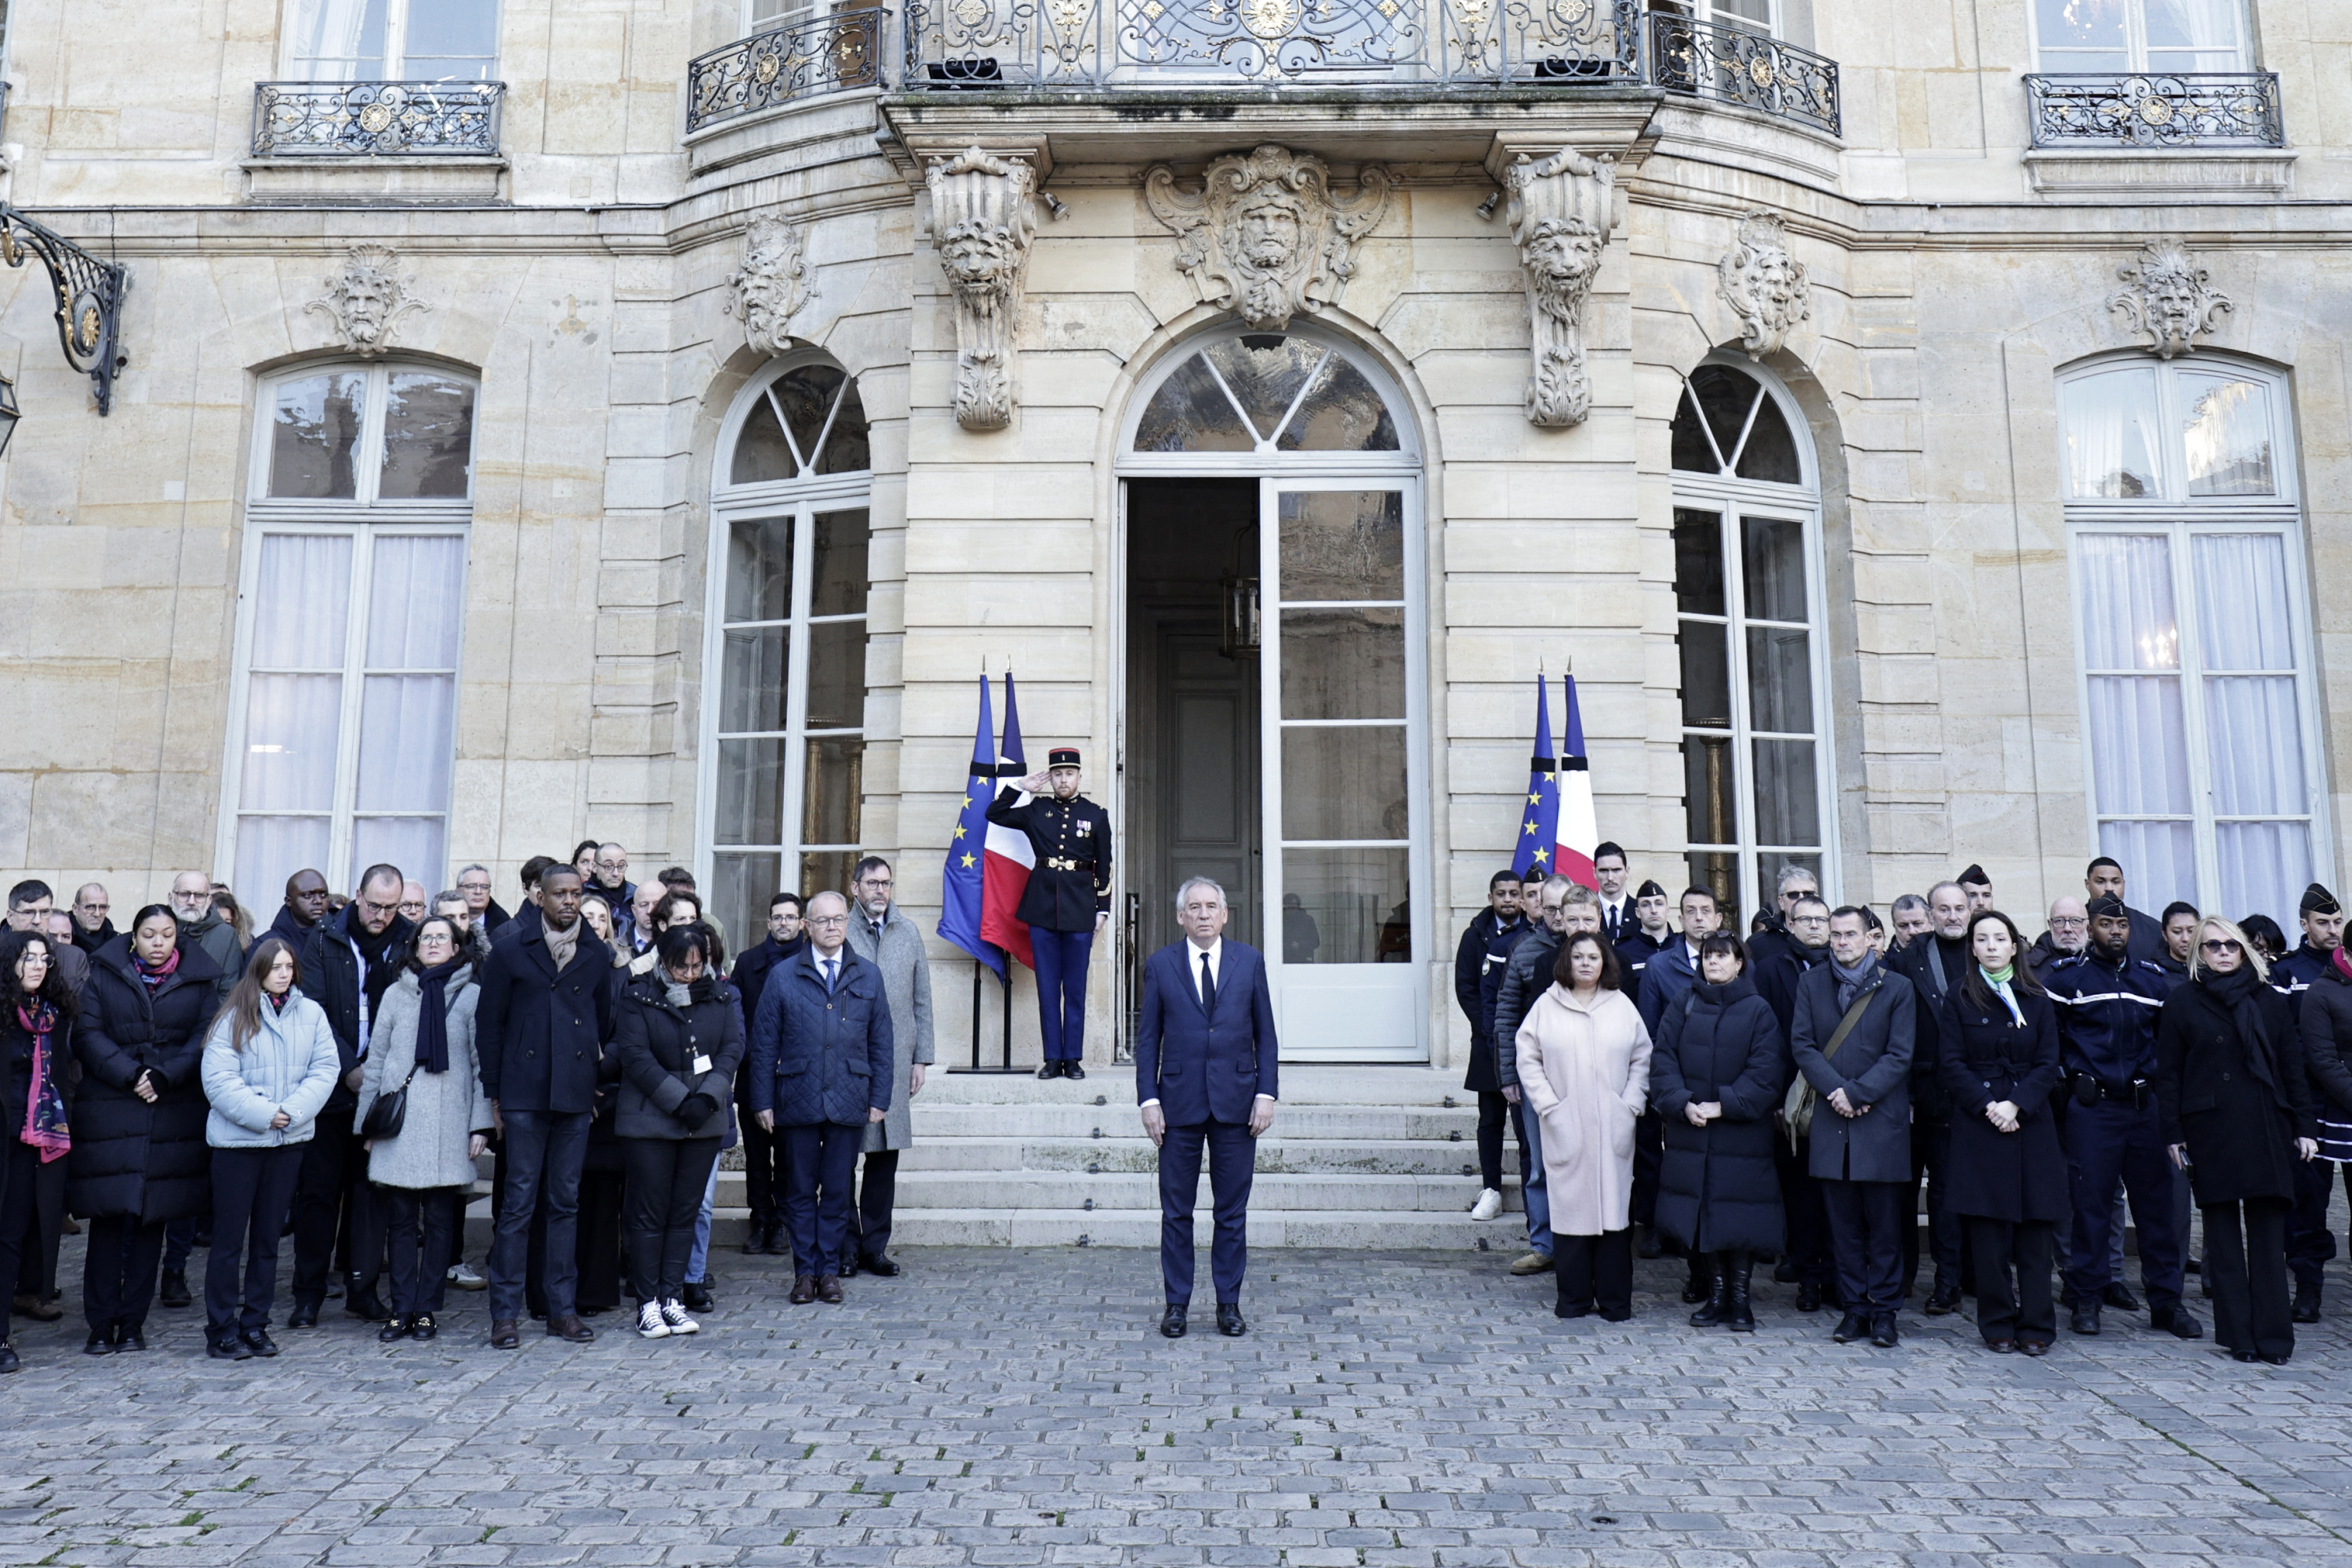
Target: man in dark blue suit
column 1204, row 1077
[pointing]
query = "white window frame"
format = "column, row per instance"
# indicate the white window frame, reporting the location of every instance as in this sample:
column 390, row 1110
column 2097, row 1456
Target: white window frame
column 1731, row 498
column 787, row 13
column 293, row 66
column 802, row 499
column 363, row 520
column 1326, row 1011
column 2179, row 522
column 2062, row 62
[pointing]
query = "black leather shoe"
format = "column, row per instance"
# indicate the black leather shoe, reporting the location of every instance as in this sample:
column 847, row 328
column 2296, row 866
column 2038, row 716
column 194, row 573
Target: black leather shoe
column 773, row 1243
column 173, row 1292
column 2271, row 1358
column 848, row 1266
column 2002, row 1347
column 422, row 1327
column 2247, row 1356
column 697, row 1296
column 130, row 1337
column 1646, row 1242
column 361, row 1302
column 1230, row 1321
column 804, row 1289
column 2178, row 1321
column 1049, row 1071
column 2034, row 1347
column 1809, row 1297
column 884, row 1265
column 305, row 1315
column 2086, row 1319
column 1073, row 1069
column 230, row 1349
column 755, row 1240
column 2306, row 1305
column 569, row 1327
column 1882, row 1331
column 2118, row 1295
column 98, row 1343
column 1172, row 1321
column 828, row 1289
column 1851, row 1327
column 506, row 1335
column 1943, row 1301
column 8, row 1362
column 393, row 1332
column 1784, row 1272
column 259, row 1342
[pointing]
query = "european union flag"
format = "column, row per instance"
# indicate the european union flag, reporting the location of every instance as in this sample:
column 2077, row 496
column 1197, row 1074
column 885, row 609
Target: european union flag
column 1539, row 825
column 960, row 885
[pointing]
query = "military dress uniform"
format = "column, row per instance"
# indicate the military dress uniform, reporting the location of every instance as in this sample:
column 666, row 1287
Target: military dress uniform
column 1068, row 888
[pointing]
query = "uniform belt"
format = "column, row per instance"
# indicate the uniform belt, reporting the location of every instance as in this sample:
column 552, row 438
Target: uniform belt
column 1055, row 863
column 2089, row 1090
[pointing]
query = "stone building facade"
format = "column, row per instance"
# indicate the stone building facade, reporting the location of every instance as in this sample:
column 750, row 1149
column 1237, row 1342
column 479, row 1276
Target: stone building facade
column 1924, row 432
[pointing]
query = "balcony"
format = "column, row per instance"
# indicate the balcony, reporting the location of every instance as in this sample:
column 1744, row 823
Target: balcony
column 824, row 54
column 376, row 119
column 2142, row 110
column 1178, row 47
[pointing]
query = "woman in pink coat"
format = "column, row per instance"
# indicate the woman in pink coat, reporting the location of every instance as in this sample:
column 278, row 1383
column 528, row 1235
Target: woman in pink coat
column 1584, row 1067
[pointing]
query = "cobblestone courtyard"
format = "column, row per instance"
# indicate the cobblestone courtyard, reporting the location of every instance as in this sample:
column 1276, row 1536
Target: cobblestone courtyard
column 1017, row 1406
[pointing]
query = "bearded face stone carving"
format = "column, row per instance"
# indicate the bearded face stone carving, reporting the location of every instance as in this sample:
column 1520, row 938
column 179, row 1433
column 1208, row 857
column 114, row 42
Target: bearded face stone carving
column 367, row 299
column 1561, row 216
column 1264, row 237
column 1764, row 285
column 985, row 218
column 771, row 286
column 2168, row 296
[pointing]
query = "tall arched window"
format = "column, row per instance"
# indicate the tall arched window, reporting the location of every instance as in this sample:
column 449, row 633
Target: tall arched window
column 2192, row 631
column 785, row 659
column 1747, row 601
column 350, row 605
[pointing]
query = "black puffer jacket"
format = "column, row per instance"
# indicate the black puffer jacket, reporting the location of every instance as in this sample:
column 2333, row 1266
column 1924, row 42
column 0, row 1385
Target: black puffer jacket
column 129, row 1157
column 2326, row 1029
column 1716, row 1188
column 658, row 1043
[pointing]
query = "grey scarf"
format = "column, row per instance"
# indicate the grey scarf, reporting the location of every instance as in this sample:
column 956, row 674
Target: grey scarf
column 1851, row 982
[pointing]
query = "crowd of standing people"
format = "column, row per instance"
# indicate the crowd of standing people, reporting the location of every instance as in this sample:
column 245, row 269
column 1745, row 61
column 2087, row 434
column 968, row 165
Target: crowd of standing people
column 1797, row 1098
column 181, row 1082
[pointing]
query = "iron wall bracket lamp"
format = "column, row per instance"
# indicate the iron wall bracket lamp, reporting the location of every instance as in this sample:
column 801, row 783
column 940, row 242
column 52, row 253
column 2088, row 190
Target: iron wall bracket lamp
column 88, row 293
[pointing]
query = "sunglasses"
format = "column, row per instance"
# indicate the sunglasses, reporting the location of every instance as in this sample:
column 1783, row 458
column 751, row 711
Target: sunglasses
column 2221, row 945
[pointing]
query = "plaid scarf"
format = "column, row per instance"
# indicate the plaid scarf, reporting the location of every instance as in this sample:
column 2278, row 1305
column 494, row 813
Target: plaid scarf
column 44, row 1104
column 152, row 978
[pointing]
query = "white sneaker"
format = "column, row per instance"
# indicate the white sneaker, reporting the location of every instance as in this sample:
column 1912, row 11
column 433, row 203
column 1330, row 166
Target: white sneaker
column 674, row 1316
column 462, row 1275
column 1489, row 1204
column 651, row 1323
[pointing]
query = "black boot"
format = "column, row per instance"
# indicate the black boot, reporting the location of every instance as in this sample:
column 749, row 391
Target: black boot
column 1718, row 1286
column 1700, row 1285
column 174, row 1290
column 1740, row 1316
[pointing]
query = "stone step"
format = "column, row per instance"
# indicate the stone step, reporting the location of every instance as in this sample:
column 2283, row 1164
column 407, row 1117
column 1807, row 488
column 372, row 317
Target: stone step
column 1352, row 1228
column 1333, row 1156
column 1433, row 1123
column 1303, row 1196
column 1302, row 1084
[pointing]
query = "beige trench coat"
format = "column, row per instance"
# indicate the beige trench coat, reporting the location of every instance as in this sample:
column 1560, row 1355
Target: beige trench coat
column 1584, row 1067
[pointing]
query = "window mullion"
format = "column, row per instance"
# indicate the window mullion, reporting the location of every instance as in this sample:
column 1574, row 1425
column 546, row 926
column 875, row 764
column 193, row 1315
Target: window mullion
column 1743, row 749
column 341, row 833
column 795, row 781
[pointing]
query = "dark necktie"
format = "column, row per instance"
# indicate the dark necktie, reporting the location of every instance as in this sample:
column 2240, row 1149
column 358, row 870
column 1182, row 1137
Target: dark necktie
column 1208, row 988
column 829, row 964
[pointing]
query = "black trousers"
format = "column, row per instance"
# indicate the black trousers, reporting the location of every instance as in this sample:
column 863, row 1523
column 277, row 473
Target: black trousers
column 20, row 1231
column 1930, row 1141
column 252, row 1189
column 1595, row 1271
column 2026, row 1311
column 1808, row 1220
column 179, row 1240
column 118, row 1276
column 877, row 1194
column 2309, row 1243
column 2245, row 1262
column 1867, row 1220
column 1233, row 1169
column 763, row 1172
column 1493, row 1110
column 1649, row 1157
column 35, row 1273
column 417, row 1236
column 335, row 1222
column 2108, row 1143
column 666, row 1177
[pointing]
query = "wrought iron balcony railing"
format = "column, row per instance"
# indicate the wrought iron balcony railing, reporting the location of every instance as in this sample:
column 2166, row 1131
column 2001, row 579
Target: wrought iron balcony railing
column 1188, row 43
column 376, row 119
column 2208, row 109
column 1735, row 65
column 824, row 54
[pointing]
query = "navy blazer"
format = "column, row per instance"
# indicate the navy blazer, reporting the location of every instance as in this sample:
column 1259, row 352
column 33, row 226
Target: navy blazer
column 1201, row 1068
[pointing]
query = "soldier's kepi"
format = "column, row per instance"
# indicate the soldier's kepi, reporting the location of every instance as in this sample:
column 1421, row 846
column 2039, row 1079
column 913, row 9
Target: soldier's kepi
column 1067, row 900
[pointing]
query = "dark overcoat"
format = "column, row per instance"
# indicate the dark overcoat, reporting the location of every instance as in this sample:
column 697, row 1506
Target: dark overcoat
column 2239, row 1116
column 1872, row 1066
column 1717, row 1190
column 540, row 1035
column 130, row 1158
column 1985, row 1055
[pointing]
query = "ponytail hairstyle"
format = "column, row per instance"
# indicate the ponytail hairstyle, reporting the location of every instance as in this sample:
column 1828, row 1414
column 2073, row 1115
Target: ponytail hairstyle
column 244, row 1007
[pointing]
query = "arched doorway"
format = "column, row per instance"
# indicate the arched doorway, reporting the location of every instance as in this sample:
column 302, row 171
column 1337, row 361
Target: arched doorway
column 1273, row 734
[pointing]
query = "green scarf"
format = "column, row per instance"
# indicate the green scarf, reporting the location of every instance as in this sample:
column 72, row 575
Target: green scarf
column 2003, row 975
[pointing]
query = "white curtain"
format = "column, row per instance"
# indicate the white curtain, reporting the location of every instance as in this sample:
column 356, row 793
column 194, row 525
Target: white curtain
column 2194, row 36
column 336, row 40
column 2135, row 723
column 2111, row 435
column 271, row 848
column 2226, row 432
column 415, row 844
column 293, row 708
column 416, row 602
column 2253, row 723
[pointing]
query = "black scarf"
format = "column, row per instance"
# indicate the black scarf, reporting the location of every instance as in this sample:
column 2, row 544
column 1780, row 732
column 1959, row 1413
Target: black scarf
column 2237, row 991
column 432, row 1018
column 380, row 952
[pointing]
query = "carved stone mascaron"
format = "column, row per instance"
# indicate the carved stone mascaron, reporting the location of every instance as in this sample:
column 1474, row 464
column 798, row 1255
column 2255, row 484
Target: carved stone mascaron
column 1264, row 237
column 2170, row 297
column 367, row 299
column 1764, row 284
column 1560, row 214
column 771, row 286
column 984, row 222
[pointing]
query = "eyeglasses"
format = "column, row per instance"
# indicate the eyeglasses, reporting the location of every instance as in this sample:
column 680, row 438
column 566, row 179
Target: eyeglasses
column 1809, row 920
column 2217, row 945
column 828, row 922
column 620, row 864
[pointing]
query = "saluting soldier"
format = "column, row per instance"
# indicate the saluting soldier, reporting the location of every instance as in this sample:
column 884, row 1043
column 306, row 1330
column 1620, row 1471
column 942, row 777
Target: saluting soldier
column 1067, row 900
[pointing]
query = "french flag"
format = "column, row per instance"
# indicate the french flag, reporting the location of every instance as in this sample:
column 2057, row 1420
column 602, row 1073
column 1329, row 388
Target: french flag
column 1008, row 858
column 1579, row 830
column 962, row 882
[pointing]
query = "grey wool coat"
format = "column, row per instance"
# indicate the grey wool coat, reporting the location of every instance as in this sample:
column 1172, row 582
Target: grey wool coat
column 445, row 1109
column 907, row 984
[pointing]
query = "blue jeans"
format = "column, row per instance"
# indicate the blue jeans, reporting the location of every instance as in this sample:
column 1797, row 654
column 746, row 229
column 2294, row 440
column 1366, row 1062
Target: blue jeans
column 1061, row 990
column 545, row 1150
column 1532, row 1189
column 698, row 1259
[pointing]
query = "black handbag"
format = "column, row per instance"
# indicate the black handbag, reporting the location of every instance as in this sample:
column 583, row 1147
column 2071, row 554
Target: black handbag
column 386, row 1116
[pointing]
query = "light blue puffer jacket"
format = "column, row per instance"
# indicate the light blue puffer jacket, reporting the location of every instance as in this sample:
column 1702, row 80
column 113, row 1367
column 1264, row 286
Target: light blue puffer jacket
column 288, row 1065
